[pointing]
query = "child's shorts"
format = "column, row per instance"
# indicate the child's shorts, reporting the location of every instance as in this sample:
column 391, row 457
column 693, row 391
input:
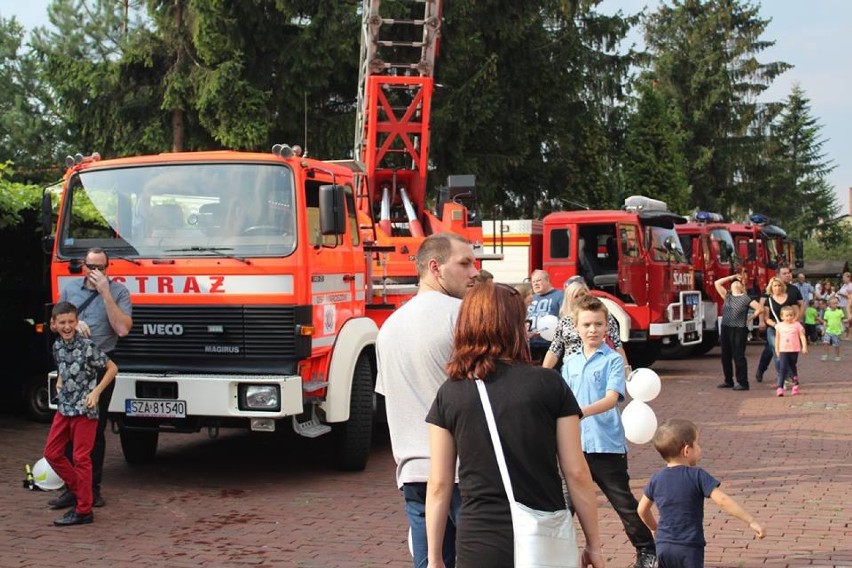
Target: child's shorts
column 671, row 555
column 830, row 339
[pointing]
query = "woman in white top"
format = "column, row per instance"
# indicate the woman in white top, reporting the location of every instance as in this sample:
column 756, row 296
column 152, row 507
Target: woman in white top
column 843, row 296
column 566, row 340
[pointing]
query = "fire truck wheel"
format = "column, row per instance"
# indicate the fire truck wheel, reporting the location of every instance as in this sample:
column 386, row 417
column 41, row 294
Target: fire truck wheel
column 37, row 398
column 643, row 353
column 138, row 446
column 708, row 342
column 674, row 350
column 353, row 437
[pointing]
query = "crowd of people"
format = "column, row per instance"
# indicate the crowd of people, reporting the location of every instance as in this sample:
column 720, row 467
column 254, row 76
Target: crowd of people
column 555, row 410
column 793, row 315
column 554, row 404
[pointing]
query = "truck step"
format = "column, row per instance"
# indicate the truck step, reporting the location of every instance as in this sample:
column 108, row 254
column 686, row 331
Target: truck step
column 312, row 428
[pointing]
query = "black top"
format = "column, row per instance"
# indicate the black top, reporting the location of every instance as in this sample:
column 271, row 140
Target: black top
column 735, row 310
column 793, row 297
column 527, row 401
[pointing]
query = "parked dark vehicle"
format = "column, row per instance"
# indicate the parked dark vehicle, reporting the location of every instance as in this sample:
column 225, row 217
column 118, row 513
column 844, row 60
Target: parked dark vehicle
column 26, row 358
column 24, row 352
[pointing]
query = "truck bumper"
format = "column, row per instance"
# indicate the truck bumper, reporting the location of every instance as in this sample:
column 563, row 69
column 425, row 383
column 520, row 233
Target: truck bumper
column 685, row 320
column 208, row 394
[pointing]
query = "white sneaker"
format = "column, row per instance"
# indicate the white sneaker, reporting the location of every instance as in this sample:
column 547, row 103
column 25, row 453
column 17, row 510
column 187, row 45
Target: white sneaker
column 837, row 358
column 824, row 358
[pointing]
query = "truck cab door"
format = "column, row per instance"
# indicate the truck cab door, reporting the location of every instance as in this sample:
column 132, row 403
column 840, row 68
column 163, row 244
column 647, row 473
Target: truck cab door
column 632, row 268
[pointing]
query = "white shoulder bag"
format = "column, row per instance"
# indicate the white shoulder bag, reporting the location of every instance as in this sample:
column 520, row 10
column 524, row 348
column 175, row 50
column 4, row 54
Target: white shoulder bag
column 543, row 539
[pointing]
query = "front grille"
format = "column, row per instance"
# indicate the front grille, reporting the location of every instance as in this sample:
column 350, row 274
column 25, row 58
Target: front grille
column 216, row 334
column 149, row 389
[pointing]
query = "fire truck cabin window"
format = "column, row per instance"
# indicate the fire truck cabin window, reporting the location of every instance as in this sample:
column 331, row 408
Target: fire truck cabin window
column 560, row 243
column 177, row 210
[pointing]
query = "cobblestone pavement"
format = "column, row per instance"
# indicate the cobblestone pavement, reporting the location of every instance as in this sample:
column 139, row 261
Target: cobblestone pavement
column 253, row 500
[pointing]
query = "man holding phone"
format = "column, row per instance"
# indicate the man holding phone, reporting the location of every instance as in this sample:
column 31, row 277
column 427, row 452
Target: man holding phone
column 104, row 314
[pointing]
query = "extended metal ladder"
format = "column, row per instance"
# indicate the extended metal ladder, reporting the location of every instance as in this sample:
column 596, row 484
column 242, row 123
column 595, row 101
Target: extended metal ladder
column 426, row 30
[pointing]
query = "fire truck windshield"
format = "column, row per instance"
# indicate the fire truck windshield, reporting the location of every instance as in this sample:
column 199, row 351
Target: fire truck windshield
column 179, row 210
column 725, row 243
column 664, row 245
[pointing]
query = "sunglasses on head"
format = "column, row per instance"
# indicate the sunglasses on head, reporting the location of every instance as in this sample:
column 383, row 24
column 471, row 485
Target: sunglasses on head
column 510, row 289
column 100, row 267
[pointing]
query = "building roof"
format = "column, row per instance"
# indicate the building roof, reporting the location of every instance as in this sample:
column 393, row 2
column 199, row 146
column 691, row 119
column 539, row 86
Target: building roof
column 824, row 268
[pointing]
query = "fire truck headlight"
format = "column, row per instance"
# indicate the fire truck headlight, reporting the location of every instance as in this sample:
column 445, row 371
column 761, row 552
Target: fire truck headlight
column 260, row 397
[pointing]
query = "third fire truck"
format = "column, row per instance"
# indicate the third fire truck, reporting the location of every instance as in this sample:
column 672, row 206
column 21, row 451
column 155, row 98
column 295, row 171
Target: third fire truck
column 632, row 259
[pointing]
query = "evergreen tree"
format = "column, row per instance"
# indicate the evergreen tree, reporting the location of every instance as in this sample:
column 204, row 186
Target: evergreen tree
column 104, row 75
column 270, row 71
column 29, row 131
column 654, row 164
column 531, row 103
column 806, row 202
column 704, row 54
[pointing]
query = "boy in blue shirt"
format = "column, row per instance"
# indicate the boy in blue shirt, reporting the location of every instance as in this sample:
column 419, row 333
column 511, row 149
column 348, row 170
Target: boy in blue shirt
column 679, row 491
column 78, row 362
column 596, row 377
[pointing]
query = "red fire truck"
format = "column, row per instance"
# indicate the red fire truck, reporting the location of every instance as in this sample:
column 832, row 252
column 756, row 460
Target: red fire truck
column 259, row 280
column 718, row 249
column 709, row 247
column 763, row 246
column 631, row 259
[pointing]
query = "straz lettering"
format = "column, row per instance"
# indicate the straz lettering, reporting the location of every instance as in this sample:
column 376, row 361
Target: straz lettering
column 172, row 285
column 683, row 279
column 222, row 349
column 162, row 329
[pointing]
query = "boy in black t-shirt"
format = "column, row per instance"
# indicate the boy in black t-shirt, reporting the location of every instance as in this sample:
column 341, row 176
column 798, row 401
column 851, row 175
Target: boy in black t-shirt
column 679, row 491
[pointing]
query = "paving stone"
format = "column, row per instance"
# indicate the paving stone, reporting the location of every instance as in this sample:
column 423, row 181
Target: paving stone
column 247, row 500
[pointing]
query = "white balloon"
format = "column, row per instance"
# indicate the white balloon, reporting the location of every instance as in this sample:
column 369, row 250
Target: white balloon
column 546, row 326
column 639, row 421
column 643, row 385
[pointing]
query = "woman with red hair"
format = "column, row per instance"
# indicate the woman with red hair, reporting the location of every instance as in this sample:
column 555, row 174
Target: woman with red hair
column 538, row 422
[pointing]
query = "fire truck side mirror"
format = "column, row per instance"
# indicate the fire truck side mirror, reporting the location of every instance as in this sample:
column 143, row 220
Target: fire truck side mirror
column 332, row 210
column 46, row 223
column 799, row 249
column 671, row 243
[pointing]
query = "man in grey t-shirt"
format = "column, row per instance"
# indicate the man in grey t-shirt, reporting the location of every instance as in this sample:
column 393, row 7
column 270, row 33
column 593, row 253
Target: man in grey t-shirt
column 104, row 315
column 412, row 351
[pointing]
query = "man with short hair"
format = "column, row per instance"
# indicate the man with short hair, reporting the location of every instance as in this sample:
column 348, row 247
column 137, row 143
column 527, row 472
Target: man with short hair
column 546, row 301
column 104, row 314
column 412, row 350
column 806, row 289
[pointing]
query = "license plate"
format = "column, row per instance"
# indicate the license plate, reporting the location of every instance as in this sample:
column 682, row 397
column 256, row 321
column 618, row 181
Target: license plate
column 155, row 408
column 689, row 327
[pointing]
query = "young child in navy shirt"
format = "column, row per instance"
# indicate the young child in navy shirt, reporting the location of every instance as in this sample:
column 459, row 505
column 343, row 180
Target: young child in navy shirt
column 679, row 491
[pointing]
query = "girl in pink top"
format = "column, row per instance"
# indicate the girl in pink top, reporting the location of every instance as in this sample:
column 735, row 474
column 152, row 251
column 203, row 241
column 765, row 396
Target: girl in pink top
column 790, row 340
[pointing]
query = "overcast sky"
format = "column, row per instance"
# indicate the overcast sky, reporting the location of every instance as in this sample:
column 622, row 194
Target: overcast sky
column 813, row 36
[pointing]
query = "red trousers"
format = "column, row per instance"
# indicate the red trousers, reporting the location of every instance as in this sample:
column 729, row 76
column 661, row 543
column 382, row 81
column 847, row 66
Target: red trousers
column 80, row 431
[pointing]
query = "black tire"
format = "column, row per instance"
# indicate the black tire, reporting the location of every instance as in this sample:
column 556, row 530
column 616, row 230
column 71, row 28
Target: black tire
column 708, row 342
column 675, row 350
column 138, row 446
column 642, row 354
column 37, row 398
column 353, row 438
